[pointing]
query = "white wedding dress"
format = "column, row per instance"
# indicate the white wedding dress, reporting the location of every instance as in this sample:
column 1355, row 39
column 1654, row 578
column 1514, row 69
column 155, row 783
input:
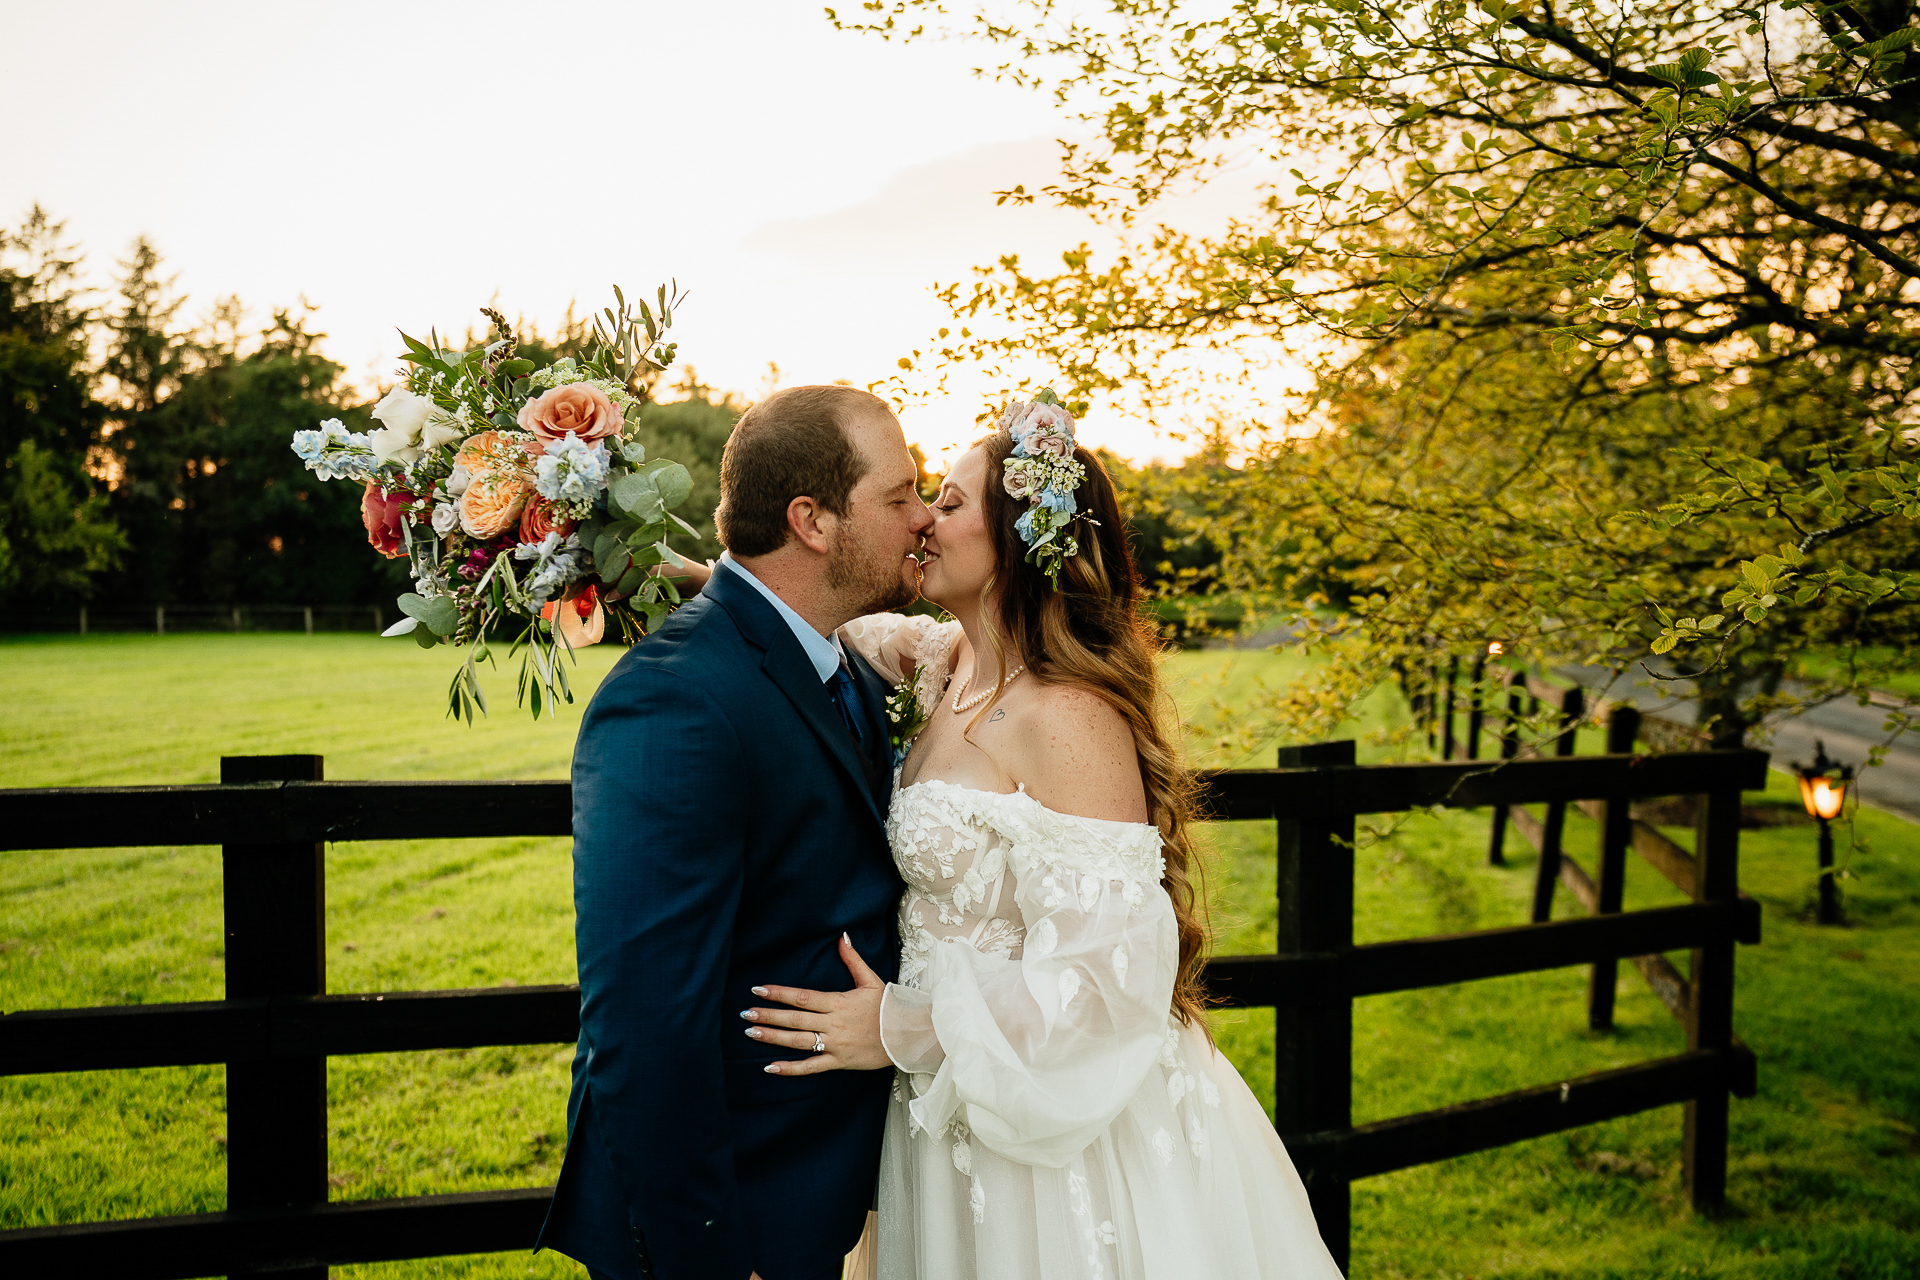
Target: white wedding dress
column 1050, row 1119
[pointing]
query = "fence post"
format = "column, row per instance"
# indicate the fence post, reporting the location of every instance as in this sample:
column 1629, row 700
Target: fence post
column 83, row 619
column 1616, row 837
column 1476, row 708
column 1710, row 1009
column 1509, row 748
column 159, row 619
column 308, row 610
column 1573, row 705
column 1313, row 1043
column 1446, row 734
column 276, row 946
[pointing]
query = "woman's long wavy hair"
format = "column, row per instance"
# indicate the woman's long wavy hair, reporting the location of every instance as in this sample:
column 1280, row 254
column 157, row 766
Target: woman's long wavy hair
column 1090, row 634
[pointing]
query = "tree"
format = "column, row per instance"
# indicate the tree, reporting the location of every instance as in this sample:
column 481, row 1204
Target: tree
column 219, row 508
column 693, row 431
column 1646, row 272
column 55, row 534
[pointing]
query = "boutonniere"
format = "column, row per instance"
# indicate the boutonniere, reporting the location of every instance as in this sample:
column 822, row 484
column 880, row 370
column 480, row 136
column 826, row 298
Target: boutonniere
column 906, row 716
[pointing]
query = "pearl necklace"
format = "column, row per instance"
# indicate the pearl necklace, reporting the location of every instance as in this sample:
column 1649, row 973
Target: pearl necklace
column 979, row 698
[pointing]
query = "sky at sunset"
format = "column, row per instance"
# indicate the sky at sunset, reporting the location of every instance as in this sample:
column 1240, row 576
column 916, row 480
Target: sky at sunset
column 400, row 164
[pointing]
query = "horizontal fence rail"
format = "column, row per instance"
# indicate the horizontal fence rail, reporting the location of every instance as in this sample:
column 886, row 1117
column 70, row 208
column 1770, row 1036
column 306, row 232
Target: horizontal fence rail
column 279, row 1241
column 173, row 1035
column 281, row 1025
column 313, row 812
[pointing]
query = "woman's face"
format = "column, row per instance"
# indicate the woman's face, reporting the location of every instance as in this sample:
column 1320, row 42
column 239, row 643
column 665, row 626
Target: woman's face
column 959, row 556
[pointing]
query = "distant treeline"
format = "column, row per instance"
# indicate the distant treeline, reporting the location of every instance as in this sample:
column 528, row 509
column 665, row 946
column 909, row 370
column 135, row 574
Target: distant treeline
column 145, row 459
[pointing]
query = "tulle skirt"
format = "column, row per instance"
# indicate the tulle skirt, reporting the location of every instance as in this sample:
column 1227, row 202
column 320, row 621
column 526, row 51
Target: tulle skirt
column 1190, row 1180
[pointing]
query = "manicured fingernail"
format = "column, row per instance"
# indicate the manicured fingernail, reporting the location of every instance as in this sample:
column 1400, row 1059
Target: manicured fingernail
column 844, row 938
column 772, row 1068
column 759, row 991
column 749, row 1014
column 753, row 1033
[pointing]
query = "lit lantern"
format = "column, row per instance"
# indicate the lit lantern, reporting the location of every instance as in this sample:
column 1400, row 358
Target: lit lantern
column 1823, row 790
column 1495, row 648
column 1823, row 784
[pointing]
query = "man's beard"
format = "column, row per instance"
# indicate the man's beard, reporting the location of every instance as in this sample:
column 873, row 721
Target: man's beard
column 878, row 586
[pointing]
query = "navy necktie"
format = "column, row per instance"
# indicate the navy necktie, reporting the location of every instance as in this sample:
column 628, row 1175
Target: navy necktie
column 846, row 696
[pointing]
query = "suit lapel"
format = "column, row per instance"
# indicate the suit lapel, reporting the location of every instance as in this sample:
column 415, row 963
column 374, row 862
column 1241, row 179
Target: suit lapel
column 874, row 692
column 787, row 665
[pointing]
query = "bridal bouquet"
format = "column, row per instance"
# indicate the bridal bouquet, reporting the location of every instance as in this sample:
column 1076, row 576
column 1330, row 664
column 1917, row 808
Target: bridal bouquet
column 518, row 497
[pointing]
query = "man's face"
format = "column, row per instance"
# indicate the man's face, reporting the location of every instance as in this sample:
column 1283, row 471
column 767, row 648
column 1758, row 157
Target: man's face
column 873, row 558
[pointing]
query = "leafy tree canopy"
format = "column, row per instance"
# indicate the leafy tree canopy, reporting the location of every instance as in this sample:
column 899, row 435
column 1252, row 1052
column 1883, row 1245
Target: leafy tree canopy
column 1611, row 307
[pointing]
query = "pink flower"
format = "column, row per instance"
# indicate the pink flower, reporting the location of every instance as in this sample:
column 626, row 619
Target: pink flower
column 385, row 516
column 1019, row 480
column 1049, row 418
column 1057, row 443
column 577, row 407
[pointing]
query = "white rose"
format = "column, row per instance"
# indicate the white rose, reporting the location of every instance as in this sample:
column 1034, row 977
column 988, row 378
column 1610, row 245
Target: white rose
column 441, row 428
column 405, row 412
column 457, row 481
column 390, row 444
column 446, row 518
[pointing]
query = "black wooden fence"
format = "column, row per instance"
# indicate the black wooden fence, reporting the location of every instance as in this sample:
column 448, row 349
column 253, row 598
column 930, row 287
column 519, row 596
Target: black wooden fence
column 273, row 816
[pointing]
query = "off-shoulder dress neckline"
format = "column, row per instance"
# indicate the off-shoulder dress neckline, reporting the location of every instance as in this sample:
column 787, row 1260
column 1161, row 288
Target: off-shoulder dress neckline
column 1018, row 793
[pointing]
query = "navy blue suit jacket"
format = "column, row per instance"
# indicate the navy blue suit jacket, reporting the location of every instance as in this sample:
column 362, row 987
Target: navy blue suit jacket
column 726, row 832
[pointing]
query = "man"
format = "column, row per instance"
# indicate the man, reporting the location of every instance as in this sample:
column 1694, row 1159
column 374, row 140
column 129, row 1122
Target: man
column 729, row 789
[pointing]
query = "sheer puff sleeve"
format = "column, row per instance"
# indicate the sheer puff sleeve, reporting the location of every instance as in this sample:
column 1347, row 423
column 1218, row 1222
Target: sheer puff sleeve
column 1036, row 1053
column 894, row 644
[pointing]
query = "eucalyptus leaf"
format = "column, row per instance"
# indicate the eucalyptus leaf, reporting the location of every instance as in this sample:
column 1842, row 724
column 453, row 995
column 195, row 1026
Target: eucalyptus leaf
column 674, row 484
column 609, row 556
column 424, row 637
column 635, row 495
column 518, row 367
column 401, row 628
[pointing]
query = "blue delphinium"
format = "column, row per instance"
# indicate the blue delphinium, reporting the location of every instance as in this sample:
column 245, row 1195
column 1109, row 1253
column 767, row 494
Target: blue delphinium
column 334, row 453
column 557, row 562
column 571, row 472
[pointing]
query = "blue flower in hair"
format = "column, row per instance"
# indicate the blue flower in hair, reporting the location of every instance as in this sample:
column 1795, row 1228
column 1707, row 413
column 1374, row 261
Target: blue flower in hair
column 1044, row 473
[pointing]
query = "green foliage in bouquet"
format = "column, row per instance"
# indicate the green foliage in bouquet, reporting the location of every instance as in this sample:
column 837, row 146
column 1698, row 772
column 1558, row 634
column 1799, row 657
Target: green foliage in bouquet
column 521, row 497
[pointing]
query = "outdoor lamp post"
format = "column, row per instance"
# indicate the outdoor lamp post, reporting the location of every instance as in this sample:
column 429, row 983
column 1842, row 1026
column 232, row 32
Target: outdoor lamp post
column 1496, row 648
column 1823, row 789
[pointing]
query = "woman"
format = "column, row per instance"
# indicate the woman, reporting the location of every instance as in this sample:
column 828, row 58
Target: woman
column 1058, row 1108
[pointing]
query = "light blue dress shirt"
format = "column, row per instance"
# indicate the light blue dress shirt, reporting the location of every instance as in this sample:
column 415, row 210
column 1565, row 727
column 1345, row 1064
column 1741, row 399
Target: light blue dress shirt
column 824, row 654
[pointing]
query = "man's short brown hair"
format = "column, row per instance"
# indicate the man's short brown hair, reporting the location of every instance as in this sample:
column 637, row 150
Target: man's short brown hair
column 793, row 444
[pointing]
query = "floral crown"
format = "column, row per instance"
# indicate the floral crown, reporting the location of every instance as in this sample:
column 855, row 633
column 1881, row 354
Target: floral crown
column 1042, row 472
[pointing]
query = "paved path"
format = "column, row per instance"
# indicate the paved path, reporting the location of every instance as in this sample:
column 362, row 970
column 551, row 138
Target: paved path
column 1847, row 728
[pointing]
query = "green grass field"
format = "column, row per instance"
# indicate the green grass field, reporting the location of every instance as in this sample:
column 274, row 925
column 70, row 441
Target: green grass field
column 1826, row 1161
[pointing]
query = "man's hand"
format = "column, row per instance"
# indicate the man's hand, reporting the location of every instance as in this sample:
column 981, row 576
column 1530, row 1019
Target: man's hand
column 847, row 1021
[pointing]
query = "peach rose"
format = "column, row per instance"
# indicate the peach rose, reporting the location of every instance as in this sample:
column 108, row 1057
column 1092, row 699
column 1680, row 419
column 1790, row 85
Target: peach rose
column 576, row 407
column 538, row 520
column 492, row 505
column 492, row 453
column 385, row 514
